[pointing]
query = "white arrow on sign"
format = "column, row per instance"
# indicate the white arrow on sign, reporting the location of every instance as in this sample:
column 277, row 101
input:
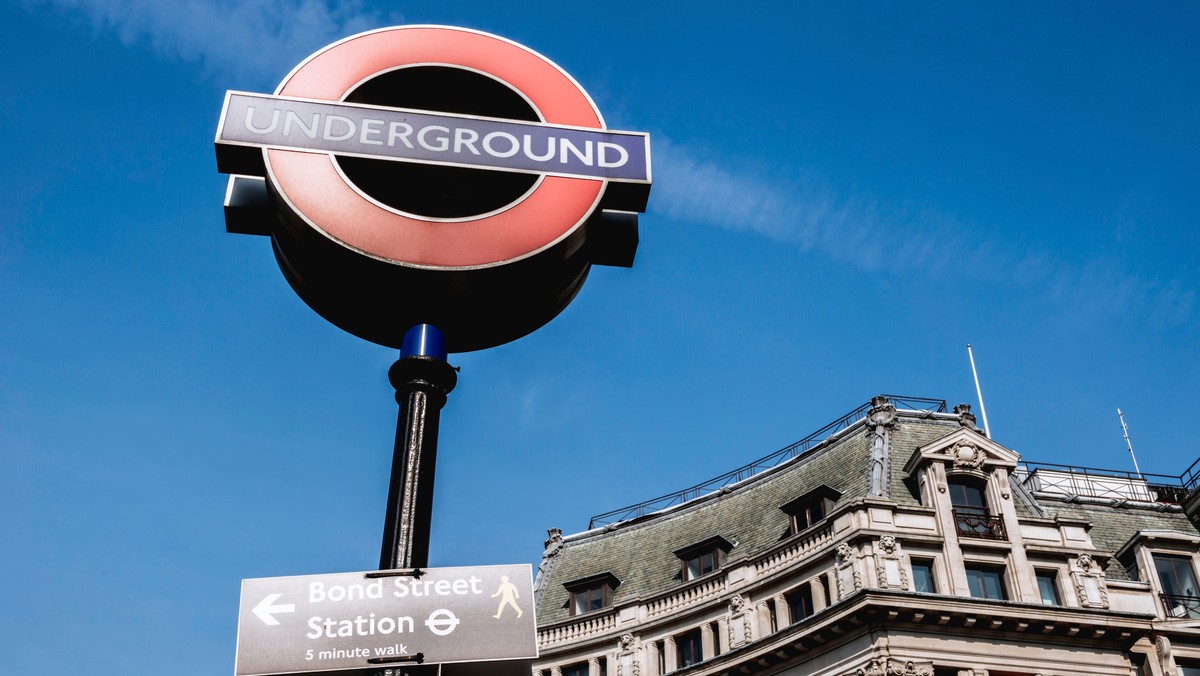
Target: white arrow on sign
column 265, row 610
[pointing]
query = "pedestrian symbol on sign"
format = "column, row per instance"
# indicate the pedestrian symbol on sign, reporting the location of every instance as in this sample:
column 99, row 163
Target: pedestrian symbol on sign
column 509, row 598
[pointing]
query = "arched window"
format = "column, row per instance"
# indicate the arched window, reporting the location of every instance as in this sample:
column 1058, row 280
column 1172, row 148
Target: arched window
column 967, row 496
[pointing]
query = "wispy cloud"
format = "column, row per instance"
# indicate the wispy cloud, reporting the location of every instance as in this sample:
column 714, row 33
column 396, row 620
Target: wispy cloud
column 804, row 212
column 853, row 230
column 254, row 41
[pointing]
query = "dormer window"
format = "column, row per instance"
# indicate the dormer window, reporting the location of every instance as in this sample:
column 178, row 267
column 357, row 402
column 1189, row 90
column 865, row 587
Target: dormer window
column 971, row 511
column 592, row 593
column 810, row 509
column 703, row 558
column 1179, row 589
column 967, row 496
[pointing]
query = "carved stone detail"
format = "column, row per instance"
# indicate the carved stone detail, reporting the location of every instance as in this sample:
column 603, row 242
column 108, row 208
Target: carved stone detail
column 890, row 667
column 554, row 545
column 967, row 456
column 845, row 552
column 873, row 668
column 738, row 631
column 889, row 571
column 1090, row 585
column 882, row 412
column 849, row 579
column 880, row 421
column 965, row 417
column 628, row 663
column 1162, row 650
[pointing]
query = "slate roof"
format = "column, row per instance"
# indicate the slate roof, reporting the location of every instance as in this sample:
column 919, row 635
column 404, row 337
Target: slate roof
column 641, row 553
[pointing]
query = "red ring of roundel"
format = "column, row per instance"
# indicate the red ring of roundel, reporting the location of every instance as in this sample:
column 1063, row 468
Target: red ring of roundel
column 316, row 190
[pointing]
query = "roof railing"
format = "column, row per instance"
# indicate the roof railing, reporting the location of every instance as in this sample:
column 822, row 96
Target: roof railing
column 762, row 464
column 1109, row 483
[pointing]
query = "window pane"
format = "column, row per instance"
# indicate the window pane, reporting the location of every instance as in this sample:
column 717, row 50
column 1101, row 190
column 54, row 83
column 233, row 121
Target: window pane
column 922, row 576
column 1048, row 587
column 689, row 648
column 580, row 669
column 693, row 569
column 967, row 497
column 1176, row 575
column 587, row 600
column 800, row 603
column 985, row 583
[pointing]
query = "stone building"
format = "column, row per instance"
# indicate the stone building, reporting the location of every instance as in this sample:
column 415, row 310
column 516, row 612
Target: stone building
column 897, row 541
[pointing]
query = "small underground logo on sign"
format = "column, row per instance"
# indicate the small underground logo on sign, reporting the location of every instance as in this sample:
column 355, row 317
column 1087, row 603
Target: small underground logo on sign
column 429, row 174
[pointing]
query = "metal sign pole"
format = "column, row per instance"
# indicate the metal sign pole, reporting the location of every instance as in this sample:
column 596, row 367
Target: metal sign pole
column 422, row 379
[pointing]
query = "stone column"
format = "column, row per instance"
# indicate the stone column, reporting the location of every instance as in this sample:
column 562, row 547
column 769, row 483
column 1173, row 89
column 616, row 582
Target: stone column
column 706, row 641
column 1022, row 572
column 935, row 480
column 880, row 421
column 652, row 658
column 594, row 667
column 817, row 584
column 783, row 614
column 762, row 618
column 670, row 654
column 723, row 634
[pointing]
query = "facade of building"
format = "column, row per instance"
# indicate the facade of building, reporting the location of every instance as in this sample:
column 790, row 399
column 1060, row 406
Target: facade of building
column 897, row 541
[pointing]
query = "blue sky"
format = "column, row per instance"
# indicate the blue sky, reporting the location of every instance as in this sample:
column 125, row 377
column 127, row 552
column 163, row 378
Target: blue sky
column 845, row 195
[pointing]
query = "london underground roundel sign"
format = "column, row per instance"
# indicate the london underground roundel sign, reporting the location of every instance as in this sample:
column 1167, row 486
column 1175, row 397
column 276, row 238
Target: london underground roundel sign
column 429, row 174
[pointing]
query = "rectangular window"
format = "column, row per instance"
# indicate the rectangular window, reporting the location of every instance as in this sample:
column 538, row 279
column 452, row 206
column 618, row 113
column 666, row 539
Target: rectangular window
column 580, row 669
column 587, row 600
column 1178, row 580
column 1047, row 581
column 701, row 564
column 986, row 583
column 923, row 576
column 806, row 515
column 703, row 558
column 800, row 603
column 591, row 593
column 690, row 648
column 1176, row 575
column 810, row 508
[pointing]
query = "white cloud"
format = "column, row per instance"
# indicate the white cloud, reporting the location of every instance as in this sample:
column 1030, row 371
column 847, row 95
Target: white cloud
column 862, row 233
column 804, row 212
column 253, row 41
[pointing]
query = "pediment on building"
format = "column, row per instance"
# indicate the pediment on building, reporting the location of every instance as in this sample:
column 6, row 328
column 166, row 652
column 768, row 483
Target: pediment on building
column 963, row 449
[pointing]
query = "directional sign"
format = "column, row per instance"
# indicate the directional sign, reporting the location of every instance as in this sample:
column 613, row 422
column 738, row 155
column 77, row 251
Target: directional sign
column 354, row 622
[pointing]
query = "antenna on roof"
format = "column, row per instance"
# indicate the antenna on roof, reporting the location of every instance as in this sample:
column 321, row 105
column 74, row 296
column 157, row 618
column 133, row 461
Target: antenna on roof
column 979, row 393
column 1127, row 442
